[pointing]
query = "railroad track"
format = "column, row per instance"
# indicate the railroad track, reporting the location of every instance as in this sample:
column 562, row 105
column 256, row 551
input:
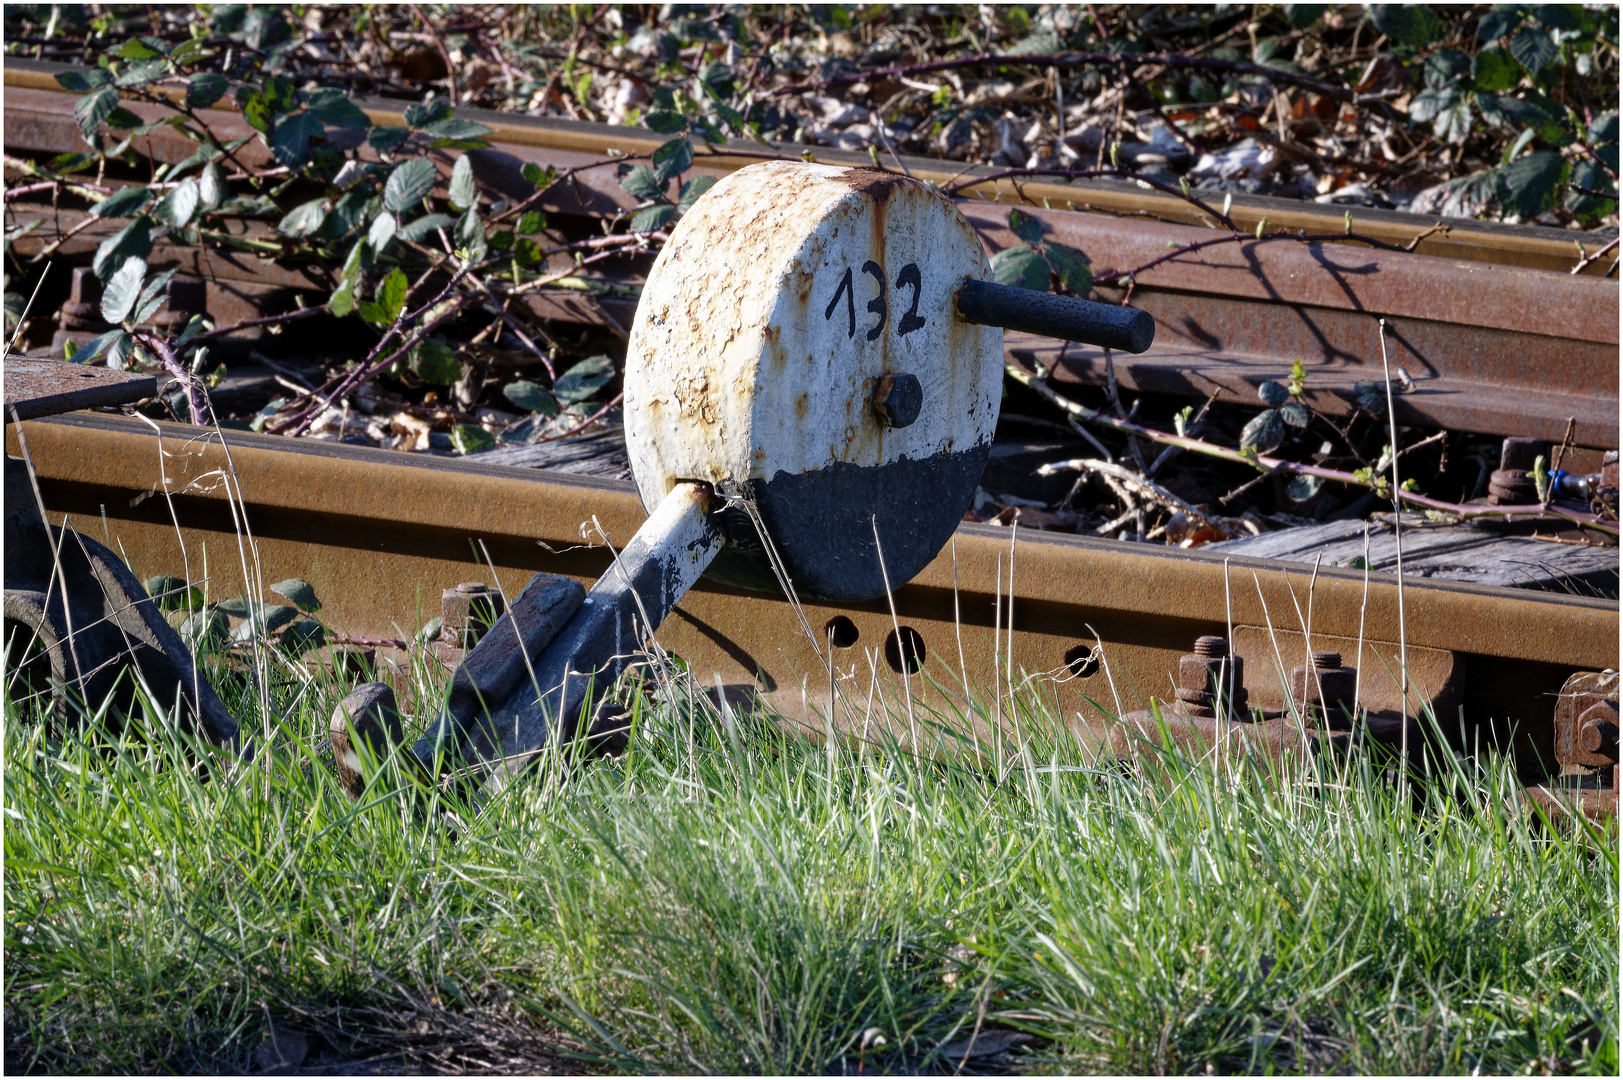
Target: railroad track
column 1101, row 624
column 1498, row 336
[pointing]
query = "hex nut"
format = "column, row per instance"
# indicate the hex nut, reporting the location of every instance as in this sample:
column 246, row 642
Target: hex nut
column 1597, row 729
column 369, row 711
column 467, row 612
column 898, row 399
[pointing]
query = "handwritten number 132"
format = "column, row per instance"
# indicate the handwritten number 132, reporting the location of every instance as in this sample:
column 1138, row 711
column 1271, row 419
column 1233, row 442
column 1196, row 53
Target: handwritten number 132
column 879, row 305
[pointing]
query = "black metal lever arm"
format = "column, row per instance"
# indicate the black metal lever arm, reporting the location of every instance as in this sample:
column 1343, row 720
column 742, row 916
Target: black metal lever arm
column 1033, row 312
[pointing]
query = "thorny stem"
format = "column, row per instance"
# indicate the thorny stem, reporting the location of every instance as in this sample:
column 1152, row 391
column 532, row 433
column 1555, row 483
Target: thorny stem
column 268, row 320
column 1200, row 446
column 1587, row 259
column 171, row 363
column 338, row 386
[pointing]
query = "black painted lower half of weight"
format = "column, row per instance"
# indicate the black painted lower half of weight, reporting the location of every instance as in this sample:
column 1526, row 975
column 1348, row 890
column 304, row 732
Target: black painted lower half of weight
column 822, row 525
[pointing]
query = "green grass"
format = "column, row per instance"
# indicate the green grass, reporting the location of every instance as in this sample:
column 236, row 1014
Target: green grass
column 727, row 898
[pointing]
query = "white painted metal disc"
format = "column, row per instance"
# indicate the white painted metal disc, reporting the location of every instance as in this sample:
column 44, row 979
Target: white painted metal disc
column 782, row 298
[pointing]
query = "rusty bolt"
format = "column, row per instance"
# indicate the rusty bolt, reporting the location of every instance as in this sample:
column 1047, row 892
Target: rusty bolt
column 898, row 399
column 186, row 297
column 1322, row 681
column 370, row 714
column 1512, row 483
column 466, row 612
column 1597, row 729
column 1201, row 673
column 83, row 308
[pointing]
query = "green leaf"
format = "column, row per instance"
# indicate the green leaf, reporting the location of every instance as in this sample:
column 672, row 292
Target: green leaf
column 1273, row 394
column 434, row 362
column 124, row 120
column 67, row 164
column 1533, row 48
column 237, row 608
column 430, row 630
column 1026, row 227
column 302, row 635
column 173, row 594
column 266, row 620
column 531, row 223
column 583, row 380
column 210, row 186
column 96, row 346
column 672, row 159
column 1021, row 268
column 1587, row 174
column 141, row 72
column 386, row 139
column 1453, row 124
column 470, row 235
column 335, row 109
column 1527, row 186
column 389, row 302
column 1494, row 69
column 1429, row 103
column 189, row 52
column 653, row 218
column 1603, row 129
column 528, row 253
column 665, row 121
column 134, row 239
column 531, row 397
column 418, row 228
column 1071, row 266
column 1406, row 24
column 305, row 219
column 408, row 184
column 472, row 439
column 692, row 190
column 1303, row 488
column 350, row 212
column 280, row 94
column 1445, row 66
column 535, row 174
column 641, row 183
column 457, row 129
column 1295, row 414
column 176, row 209
column 418, row 115
column 382, row 231
column 92, row 109
column 1265, row 431
column 299, row 591
column 122, row 290
column 1371, row 397
column 461, row 191
column 124, row 202
column 85, row 79
column 205, row 631
column 290, row 143
column 342, row 301
column 141, row 48
column 153, row 296
column 1302, row 16
column 1496, row 24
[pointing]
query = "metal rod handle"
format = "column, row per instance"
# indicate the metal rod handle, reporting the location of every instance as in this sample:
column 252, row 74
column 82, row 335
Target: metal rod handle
column 1033, row 312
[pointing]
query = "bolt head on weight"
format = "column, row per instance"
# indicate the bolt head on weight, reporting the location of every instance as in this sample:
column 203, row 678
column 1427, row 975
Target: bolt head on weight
column 758, row 363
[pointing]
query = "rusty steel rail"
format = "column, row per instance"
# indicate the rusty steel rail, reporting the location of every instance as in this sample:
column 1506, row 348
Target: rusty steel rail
column 1496, row 336
column 380, row 535
column 1531, row 246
